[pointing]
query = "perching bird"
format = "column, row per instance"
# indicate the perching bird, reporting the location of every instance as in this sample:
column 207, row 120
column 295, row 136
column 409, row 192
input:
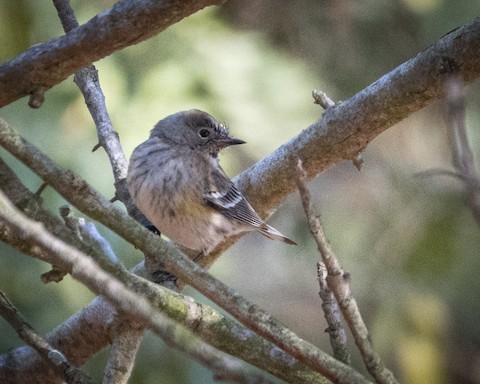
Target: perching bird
column 176, row 181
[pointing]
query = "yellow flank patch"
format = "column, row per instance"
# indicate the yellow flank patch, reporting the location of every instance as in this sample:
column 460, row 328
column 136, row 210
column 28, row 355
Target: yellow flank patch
column 191, row 208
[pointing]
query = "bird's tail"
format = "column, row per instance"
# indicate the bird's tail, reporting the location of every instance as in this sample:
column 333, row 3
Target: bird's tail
column 273, row 234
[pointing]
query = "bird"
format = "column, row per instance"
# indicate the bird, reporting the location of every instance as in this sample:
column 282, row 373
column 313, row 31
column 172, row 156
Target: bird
column 176, row 181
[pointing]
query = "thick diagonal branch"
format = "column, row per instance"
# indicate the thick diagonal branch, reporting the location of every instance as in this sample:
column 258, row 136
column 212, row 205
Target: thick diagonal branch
column 346, row 128
column 90, row 202
column 128, row 22
column 84, row 269
column 86, row 332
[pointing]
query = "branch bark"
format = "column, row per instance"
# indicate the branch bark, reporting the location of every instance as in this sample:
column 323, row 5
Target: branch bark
column 94, row 327
column 335, row 330
column 52, row 356
column 346, row 128
column 128, row 22
column 86, row 270
column 86, row 199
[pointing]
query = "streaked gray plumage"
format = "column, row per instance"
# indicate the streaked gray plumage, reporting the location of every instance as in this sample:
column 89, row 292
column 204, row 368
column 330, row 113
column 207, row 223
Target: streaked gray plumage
column 176, row 181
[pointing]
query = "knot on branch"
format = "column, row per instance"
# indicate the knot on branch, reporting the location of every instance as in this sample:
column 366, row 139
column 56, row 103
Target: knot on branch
column 37, row 97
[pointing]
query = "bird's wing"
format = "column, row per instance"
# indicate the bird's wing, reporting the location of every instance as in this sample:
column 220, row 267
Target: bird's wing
column 221, row 194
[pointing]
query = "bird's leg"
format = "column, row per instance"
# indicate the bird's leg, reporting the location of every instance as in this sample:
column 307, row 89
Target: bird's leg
column 198, row 257
column 165, row 278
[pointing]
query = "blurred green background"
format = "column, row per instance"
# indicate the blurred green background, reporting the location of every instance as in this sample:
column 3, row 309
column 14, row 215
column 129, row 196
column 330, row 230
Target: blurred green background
column 410, row 243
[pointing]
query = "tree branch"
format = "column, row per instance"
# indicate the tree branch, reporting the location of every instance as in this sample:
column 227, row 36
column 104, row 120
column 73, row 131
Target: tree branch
column 338, row 282
column 128, row 22
column 93, row 328
column 336, row 331
column 25, row 331
column 127, row 336
column 90, row 202
column 346, row 128
column 84, row 269
column 128, row 333
column 88, row 82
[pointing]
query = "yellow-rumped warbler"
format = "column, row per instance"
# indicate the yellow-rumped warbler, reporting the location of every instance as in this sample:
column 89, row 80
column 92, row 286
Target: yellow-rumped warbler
column 176, row 181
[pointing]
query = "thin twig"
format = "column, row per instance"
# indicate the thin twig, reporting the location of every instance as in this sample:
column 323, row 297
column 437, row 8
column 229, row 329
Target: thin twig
column 338, row 282
column 84, row 269
column 88, row 82
column 335, row 330
column 321, row 98
column 86, row 199
column 463, row 158
column 54, row 357
column 338, row 338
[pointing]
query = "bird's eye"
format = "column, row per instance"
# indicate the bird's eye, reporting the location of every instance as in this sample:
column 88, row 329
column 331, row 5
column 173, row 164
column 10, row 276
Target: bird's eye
column 204, row 133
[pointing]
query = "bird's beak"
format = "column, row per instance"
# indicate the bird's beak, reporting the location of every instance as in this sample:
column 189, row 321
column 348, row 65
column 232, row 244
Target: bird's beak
column 226, row 141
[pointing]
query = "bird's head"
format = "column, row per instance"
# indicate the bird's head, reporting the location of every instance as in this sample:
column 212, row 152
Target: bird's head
column 196, row 129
